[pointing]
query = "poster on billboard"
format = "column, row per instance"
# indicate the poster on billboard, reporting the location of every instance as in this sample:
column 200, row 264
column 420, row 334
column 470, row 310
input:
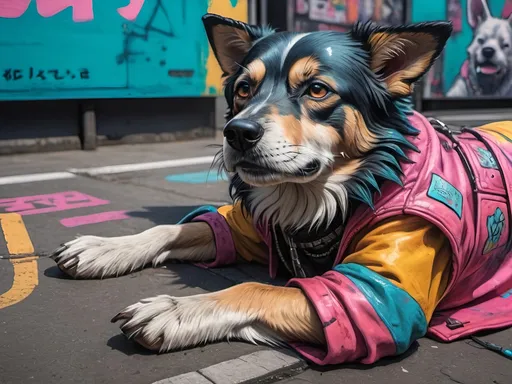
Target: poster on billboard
column 328, row 11
column 340, row 15
column 477, row 60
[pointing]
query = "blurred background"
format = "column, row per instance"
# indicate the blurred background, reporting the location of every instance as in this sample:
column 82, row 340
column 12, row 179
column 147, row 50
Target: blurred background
column 89, row 73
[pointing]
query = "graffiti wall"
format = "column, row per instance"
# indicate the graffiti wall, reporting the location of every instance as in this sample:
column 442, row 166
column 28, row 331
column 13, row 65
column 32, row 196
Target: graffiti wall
column 339, row 15
column 477, row 61
column 63, row 49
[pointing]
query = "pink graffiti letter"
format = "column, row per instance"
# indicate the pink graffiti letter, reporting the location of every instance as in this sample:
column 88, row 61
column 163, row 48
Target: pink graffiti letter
column 53, row 202
column 82, row 9
column 132, row 10
column 12, row 9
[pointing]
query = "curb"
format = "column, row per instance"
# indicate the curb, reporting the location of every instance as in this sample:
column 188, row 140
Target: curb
column 262, row 366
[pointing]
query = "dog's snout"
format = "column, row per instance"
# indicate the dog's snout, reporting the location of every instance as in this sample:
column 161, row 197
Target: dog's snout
column 488, row 52
column 243, row 134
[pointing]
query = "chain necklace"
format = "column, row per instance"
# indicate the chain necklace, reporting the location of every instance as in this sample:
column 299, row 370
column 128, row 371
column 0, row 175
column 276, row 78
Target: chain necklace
column 296, row 268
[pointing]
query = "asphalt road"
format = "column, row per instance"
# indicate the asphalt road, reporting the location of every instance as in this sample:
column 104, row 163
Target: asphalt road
column 61, row 332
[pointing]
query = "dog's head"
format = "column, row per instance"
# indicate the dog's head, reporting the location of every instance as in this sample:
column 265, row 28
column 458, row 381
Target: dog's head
column 321, row 108
column 490, row 52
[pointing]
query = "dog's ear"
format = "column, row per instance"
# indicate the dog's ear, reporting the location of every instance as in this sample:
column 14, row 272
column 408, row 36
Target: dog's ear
column 478, row 12
column 231, row 40
column 401, row 55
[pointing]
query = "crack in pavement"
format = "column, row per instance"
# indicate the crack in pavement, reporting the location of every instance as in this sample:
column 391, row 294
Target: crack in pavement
column 449, row 376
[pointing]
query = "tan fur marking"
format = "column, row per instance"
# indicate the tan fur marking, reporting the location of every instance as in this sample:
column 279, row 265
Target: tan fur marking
column 346, row 167
column 311, row 130
column 284, row 310
column 412, row 52
column 318, row 105
column 357, row 138
column 292, row 128
column 254, row 73
column 257, row 71
column 302, row 70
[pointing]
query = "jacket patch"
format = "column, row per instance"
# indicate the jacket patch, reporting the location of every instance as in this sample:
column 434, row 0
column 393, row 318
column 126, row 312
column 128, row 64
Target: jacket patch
column 486, row 158
column 445, row 193
column 495, row 226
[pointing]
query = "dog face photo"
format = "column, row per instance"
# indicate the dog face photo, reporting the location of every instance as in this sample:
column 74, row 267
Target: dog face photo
column 488, row 70
column 296, row 121
column 365, row 206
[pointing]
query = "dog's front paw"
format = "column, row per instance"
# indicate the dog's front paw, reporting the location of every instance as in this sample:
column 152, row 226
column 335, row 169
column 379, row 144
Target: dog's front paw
column 81, row 257
column 98, row 257
column 165, row 323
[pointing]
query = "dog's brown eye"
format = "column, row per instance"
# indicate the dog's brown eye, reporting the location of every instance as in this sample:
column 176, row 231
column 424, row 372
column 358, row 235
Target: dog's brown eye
column 317, row 90
column 243, row 89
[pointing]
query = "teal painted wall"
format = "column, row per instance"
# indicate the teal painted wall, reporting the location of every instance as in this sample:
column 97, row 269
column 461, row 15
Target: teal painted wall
column 49, row 50
column 455, row 52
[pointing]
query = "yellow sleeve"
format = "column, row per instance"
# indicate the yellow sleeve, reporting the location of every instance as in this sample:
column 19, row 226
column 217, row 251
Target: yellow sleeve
column 410, row 252
column 501, row 130
column 248, row 243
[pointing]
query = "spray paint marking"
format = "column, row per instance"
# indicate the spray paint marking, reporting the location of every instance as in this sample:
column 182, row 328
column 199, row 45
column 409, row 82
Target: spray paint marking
column 95, row 218
column 53, row 202
column 18, row 242
column 197, row 177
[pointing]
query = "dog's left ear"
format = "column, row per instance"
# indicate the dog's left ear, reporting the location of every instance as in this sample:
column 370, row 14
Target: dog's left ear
column 231, row 40
column 402, row 55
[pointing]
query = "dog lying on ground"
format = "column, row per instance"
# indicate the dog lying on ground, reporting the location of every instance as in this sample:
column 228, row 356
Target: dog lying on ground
column 388, row 227
column 488, row 70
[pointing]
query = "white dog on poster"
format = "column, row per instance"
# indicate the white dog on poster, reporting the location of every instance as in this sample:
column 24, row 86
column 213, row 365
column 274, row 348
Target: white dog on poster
column 488, row 68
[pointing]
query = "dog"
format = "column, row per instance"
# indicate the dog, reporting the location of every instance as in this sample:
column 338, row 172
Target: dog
column 339, row 185
column 488, row 69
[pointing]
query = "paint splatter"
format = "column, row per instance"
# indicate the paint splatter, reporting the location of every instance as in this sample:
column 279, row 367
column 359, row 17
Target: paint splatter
column 197, row 177
column 53, row 202
column 94, row 218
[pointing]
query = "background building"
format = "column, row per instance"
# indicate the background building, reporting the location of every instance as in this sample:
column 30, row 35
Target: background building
column 76, row 74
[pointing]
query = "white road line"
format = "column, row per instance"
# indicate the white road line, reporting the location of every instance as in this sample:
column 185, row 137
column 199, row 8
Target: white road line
column 109, row 169
column 30, row 178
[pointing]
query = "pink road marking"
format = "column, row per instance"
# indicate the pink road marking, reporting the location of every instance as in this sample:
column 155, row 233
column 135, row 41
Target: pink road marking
column 53, row 202
column 95, row 218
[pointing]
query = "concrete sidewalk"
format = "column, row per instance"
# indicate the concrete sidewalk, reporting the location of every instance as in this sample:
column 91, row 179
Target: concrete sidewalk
column 60, row 332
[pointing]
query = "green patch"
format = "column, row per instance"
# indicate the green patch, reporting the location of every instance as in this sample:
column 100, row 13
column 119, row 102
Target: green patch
column 445, row 193
column 495, row 227
column 486, row 158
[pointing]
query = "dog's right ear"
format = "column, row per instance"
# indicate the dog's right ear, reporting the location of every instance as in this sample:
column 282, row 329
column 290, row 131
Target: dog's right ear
column 231, row 40
column 478, row 12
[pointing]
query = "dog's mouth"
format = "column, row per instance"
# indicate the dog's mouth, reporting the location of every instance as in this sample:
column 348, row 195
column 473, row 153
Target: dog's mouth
column 488, row 69
column 260, row 174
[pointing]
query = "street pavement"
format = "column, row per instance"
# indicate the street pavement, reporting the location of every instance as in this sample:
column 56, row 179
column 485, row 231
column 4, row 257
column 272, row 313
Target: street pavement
column 58, row 330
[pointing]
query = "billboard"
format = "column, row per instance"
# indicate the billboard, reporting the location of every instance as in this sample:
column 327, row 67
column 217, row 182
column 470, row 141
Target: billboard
column 477, row 60
column 339, row 15
column 69, row 49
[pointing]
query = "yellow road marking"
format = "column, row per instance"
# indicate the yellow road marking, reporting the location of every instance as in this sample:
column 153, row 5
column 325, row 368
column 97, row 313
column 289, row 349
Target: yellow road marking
column 25, row 269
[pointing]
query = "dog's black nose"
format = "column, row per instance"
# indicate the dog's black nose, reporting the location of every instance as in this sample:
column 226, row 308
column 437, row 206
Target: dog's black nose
column 243, row 134
column 488, row 52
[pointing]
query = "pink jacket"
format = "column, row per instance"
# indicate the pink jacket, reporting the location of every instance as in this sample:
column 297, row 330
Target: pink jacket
column 365, row 317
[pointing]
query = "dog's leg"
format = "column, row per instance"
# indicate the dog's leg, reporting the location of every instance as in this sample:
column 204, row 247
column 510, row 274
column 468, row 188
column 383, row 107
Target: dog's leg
column 251, row 311
column 98, row 257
